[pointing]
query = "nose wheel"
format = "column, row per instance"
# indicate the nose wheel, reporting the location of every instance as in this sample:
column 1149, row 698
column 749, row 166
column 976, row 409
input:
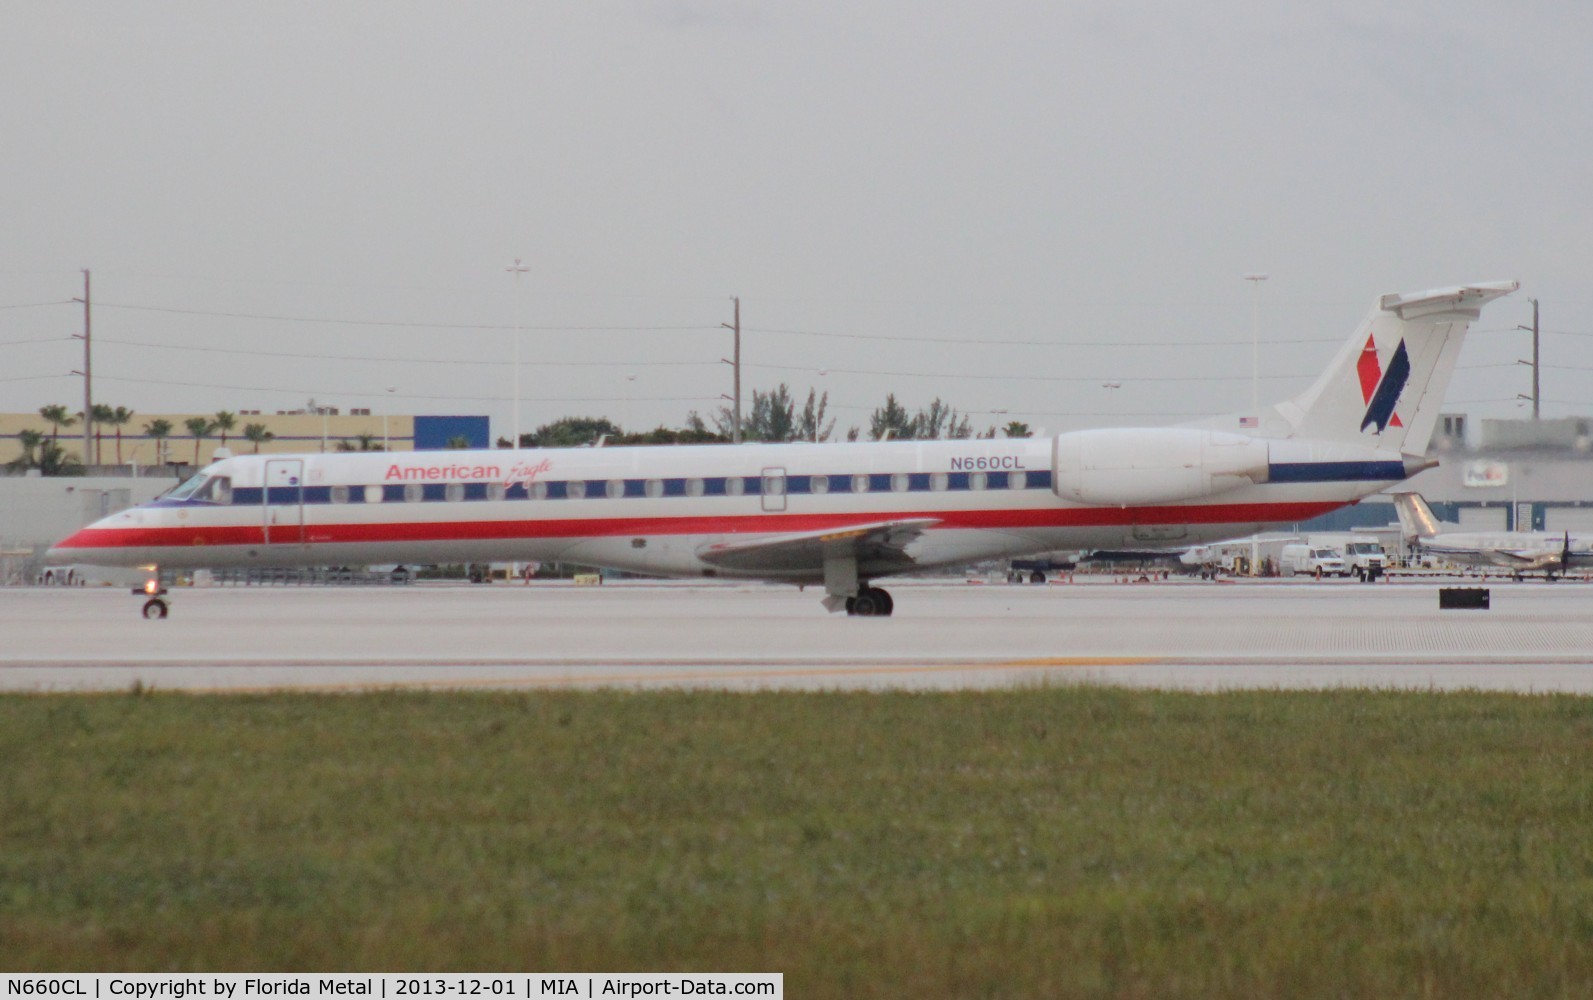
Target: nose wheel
column 157, row 606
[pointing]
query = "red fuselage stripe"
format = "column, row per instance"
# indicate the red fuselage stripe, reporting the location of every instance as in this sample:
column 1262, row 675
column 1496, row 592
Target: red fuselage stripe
column 185, row 536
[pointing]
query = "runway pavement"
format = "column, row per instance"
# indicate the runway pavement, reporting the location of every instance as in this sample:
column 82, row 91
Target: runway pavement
column 954, row 634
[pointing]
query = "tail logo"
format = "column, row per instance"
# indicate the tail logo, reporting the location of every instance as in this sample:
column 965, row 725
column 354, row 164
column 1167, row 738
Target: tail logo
column 1380, row 390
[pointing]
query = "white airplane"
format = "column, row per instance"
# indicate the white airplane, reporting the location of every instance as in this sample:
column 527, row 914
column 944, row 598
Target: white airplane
column 840, row 515
column 1518, row 551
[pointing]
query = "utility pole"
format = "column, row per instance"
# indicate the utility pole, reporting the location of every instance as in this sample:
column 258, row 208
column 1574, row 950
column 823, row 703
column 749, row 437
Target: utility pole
column 88, row 375
column 1537, row 395
column 1255, row 344
column 516, row 270
column 735, row 365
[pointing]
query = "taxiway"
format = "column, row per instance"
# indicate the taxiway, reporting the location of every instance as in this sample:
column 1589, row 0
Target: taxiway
column 954, row 634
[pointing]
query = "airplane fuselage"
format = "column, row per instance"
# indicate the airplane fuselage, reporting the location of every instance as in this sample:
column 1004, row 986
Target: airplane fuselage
column 658, row 510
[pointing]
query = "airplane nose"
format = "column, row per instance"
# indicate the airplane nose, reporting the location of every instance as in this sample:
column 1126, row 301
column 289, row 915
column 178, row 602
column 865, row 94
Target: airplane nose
column 67, row 550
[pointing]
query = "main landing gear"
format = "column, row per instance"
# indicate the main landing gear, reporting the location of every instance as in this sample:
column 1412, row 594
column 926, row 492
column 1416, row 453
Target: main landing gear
column 870, row 602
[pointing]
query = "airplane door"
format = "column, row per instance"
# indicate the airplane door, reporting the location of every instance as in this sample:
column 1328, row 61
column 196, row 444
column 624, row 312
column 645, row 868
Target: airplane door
column 774, row 489
column 283, row 501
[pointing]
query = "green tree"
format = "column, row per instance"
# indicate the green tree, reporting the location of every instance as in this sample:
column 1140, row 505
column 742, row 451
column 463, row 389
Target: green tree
column 158, row 431
column 811, row 425
column 891, row 420
column 258, row 434
column 101, row 415
column 55, row 460
column 59, row 416
column 456, row 443
column 367, row 442
column 200, row 428
column 119, row 418
column 224, row 422
column 44, row 454
column 30, row 441
column 570, row 432
column 1018, row 429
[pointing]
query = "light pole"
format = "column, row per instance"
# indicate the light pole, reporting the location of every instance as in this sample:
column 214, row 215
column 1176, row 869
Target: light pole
column 1255, row 280
column 516, row 270
column 387, row 412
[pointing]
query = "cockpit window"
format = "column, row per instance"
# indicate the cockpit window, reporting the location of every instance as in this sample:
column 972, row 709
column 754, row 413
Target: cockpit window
column 202, row 486
column 188, row 488
column 216, row 489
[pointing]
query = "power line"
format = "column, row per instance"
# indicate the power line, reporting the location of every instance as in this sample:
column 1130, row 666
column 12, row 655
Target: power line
column 36, row 305
column 1027, row 378
column 406, row 395
column 400, row 360
column 390, row 323
column 981, row 342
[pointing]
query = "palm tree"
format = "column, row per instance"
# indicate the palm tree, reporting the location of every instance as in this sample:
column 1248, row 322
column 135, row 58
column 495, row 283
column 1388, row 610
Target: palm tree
column 119, row 418
column 29, row 440
column 258, row 434
column 101, row 414
column 54, row 460
column 58, row 415
column 225, row 422
column 199, row 427
column 157, row 431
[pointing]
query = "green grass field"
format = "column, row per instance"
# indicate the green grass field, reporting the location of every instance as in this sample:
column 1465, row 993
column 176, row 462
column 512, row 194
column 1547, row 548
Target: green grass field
column 1018, row 843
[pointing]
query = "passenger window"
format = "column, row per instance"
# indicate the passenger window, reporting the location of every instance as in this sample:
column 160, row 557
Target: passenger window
column 414, row 492
column 615, row 488
column 373, row 494
column 900, row 482
column 773, row 486
column 454, row 492
column 496, row 491
column 654, row 488
column 734, row 486
column 575, row 489
column 1017, row 480
column 860, row 484
column 978, row 480
column 695, row 487
column 537, row 491
column 339, row 494
column 819, row 484
column 939, row 481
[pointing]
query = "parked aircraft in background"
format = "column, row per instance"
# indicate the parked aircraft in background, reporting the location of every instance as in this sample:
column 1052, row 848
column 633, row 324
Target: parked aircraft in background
column 840, row 515
column 1520, row 552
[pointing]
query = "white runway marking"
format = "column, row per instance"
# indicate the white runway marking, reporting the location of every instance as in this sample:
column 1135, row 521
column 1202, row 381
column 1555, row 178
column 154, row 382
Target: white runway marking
column 1536, row 637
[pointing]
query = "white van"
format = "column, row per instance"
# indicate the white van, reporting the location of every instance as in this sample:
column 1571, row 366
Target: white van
column 1312, row 561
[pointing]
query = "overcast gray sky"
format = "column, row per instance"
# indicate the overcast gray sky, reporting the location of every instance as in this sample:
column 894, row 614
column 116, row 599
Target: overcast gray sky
column 1003, row 204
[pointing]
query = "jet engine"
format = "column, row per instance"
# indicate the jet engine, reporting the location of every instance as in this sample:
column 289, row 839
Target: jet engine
column 1128, row 466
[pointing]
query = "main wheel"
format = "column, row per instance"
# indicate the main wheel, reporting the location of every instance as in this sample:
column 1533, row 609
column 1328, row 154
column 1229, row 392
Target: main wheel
column 1038, row 576
column 885, row 597
column 867, row 604
column 155, row 608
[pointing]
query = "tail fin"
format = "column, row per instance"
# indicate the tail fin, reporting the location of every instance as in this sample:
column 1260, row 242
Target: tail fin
column 1416, row 519
column 1387, row 384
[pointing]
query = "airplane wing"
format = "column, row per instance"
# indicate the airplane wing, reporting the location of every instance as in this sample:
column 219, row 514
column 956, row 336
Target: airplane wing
column 882, row 542
column 1524, row 558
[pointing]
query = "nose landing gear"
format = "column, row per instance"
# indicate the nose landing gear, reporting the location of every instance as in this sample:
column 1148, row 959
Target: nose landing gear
column 157, row 606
